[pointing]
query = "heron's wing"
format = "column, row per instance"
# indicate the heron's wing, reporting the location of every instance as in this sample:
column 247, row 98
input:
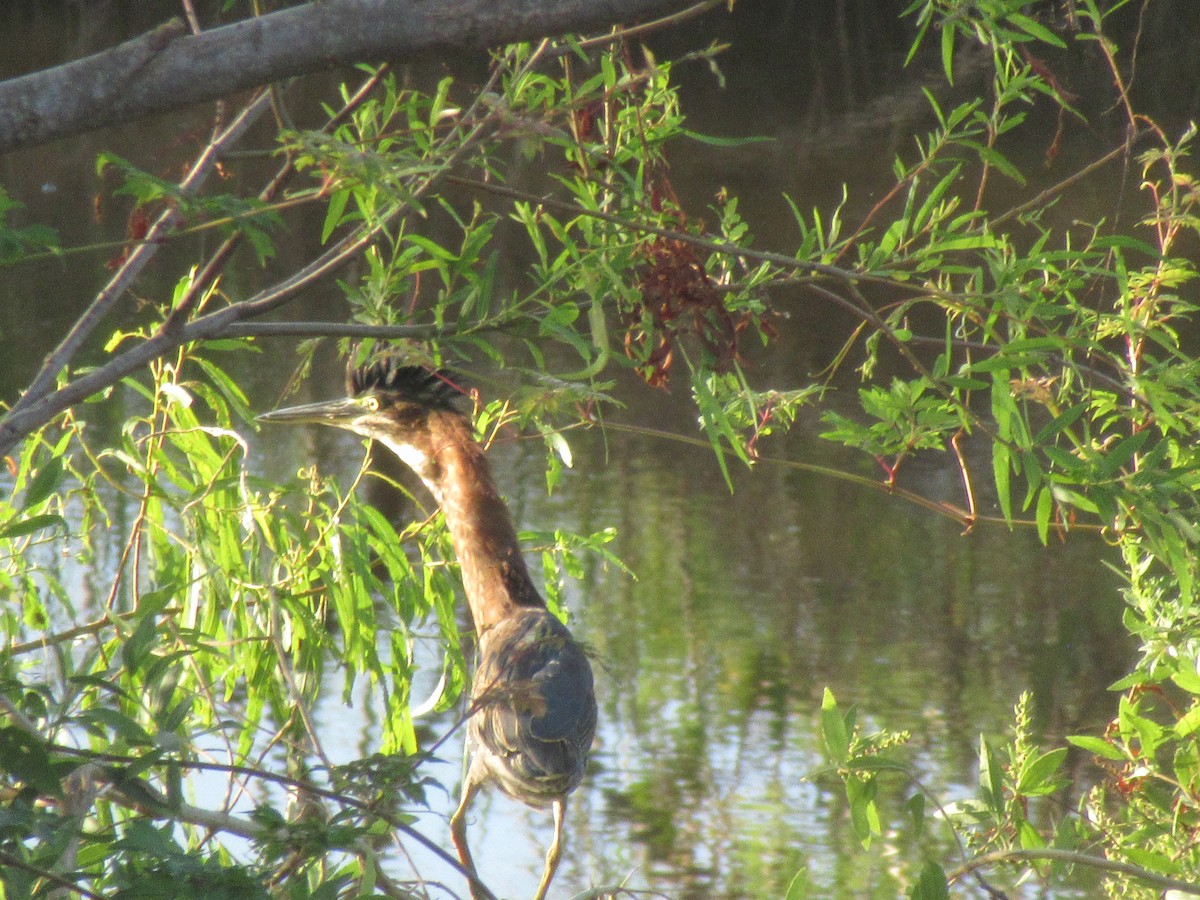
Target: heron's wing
column 534, row 689
column 562, row 681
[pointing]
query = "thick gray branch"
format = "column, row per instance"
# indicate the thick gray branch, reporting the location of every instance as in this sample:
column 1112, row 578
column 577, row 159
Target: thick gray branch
column 168, row 68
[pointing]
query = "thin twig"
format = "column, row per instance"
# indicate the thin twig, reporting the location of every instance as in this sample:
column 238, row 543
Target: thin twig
column 1074, row 857
column 623, row 34
column 965, row 471
column 189, row 13
column 64, row 637
column 205, row 818
column 942, row 508
column 335, row 330
column 1054, row 189
column 9, row 861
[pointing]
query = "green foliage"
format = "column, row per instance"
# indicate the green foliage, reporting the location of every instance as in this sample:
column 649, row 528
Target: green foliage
column 18, row 241
column 230, row 214
column 1090, row 417
column 230, row 602
column 907, row 420
column 858, row 760
column 254, row 598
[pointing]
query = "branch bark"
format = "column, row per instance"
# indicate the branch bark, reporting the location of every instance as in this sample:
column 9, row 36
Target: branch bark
column 168, row 68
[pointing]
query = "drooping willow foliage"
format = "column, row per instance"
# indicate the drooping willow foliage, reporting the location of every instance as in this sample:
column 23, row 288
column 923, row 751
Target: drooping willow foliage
column 218, row 604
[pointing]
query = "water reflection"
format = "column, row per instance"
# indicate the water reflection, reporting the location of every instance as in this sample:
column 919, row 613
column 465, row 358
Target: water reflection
column 746, row 605
column 712, row 663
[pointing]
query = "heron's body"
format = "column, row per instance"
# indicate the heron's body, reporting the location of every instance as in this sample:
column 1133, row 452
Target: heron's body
column 533, row 706
column 530, row 732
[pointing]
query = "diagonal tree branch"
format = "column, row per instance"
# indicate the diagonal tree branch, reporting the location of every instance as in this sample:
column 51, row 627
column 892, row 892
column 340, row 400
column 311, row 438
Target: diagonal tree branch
column 29, row 415
column 168, row 69
column 141, row 254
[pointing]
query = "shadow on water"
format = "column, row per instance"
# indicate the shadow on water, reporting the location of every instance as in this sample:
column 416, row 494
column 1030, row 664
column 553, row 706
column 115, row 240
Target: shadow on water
column 746, row 605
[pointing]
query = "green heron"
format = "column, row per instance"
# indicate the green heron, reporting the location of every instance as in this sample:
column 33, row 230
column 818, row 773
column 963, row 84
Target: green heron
column 533, row 706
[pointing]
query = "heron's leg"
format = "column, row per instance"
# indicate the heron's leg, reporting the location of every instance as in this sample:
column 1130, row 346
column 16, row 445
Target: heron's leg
column 555, row 851
column 458, row 824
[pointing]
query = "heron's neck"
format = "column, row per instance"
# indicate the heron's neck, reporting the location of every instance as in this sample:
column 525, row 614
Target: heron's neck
column 454, row 468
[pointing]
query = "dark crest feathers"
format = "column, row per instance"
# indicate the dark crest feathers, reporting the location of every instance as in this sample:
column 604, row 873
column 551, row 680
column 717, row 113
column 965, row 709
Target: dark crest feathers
column 414, row 383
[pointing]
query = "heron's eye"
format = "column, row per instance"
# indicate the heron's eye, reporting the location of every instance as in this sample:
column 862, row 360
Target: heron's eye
column 371, row 404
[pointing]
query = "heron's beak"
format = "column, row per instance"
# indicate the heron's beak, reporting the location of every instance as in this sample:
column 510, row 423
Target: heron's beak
column 328, row 412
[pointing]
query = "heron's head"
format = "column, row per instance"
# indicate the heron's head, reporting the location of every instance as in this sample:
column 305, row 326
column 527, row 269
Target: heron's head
column 386, row 401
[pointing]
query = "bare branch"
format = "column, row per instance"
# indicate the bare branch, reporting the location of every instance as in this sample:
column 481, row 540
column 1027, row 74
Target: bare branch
column 168, row 69
column 336, row 330
column 1075, row 858
column 137, row 259
column 32, row 412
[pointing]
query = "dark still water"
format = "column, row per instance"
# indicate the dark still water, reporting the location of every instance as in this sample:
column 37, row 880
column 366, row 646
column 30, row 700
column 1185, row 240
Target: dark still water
column 746, row 606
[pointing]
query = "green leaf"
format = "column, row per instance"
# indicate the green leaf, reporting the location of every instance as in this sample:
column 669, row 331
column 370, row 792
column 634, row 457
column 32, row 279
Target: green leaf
column 22, row 527
column 997, row 160
column 1035, row 29
column 137, row 646
column 1187, row 677
column 714, row 141
column 1189, row 723
column 1001, row 474
column 1122, row 453
column 228, row 388
column 716, row 424
column 970, row 242
column 1037, row 775
column 1098, row 746
column 877, row 762
column 1148, row 732
column 1155, row 862
column 333, row 213
column 1004, row 361
column 1132, row 680
column 935, row 196
column 45, row 483
column 1187, row 766
column 1125, row 242
column 864, row 814
column 833, row 730
column 1029, row 837
column 798, row 888
column 434, row 249
column 1045, row 506
column 991, row 778
column 1062, row 421
column 931, row 885
column 948, row 34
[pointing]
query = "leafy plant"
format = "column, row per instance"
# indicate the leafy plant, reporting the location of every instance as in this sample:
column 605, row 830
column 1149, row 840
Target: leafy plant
column 230, row 602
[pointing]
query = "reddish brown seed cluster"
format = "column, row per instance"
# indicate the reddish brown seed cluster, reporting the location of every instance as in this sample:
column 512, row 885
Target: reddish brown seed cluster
column 136, row 228
column 678, row 299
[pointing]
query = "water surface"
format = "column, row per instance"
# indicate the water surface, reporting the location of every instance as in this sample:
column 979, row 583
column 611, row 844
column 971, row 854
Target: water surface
column 748, row 604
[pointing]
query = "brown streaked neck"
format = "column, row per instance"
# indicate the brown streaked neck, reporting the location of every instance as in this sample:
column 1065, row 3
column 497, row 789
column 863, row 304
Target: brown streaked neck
column 453, row 466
